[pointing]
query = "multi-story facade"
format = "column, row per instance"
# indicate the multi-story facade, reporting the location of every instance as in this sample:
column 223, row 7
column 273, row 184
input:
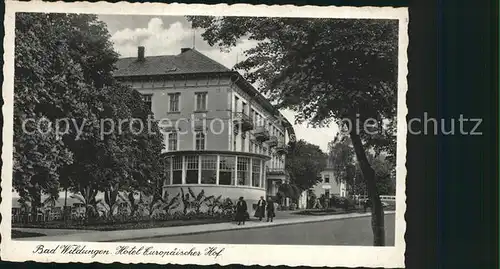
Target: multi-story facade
column 221, row 134
column 328, row 186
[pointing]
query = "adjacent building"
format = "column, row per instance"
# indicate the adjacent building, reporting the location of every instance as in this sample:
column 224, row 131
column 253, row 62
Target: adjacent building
column 328, row 186
column 221, row 135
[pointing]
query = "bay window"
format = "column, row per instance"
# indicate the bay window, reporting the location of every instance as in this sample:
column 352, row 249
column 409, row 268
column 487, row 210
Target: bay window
column 208, row 169
column 192, row 165
column 177, row 170
column 226, row 170
column 243, row 171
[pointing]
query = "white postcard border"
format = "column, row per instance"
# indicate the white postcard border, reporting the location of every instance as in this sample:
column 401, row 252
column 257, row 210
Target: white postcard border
column 347, row 256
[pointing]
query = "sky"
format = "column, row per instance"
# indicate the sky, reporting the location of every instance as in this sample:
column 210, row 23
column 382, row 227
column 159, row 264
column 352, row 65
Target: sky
column 166, row 35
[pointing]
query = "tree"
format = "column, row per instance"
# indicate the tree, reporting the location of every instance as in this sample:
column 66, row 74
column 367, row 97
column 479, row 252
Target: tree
column 288, row 190
column 304, row 162
column 341, row 157
column 324, row 69
column 63, row 74
column 385, row 180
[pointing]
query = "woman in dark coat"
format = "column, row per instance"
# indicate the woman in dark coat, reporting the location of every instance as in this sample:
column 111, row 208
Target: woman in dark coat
column 270, row 210
column 241, row 211
column 260, row 211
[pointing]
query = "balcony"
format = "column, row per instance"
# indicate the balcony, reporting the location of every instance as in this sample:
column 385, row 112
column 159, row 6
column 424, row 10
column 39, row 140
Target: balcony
column 281, row 148
column 275, row 171
column 261, row 134
column 242, row 120
column 273, row 141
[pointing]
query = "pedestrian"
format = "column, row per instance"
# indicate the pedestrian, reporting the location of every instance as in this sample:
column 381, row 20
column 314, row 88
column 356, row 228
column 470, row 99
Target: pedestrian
column 260, row 211
column 366, row 204
column 241, row 211
column 270, row 210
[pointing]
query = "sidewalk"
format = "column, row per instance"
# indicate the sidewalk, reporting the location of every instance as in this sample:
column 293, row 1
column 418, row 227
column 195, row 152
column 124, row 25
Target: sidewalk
column 122, row 235
column 52, row 232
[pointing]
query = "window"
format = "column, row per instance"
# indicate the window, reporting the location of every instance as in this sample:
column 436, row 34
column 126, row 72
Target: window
column 244, row 108
column 236, row 101
column 177, row 170
column 243, row 171
column 265, row 151
column 327, row 178
column 174, row 101
column 208, row 169
column 192, row 165
column 200, row 141
column 255, row 172
column 226, row 170
column 147, row 99
column 172, row 141
column 251, row 146
column 201, row 101
column 327, row 193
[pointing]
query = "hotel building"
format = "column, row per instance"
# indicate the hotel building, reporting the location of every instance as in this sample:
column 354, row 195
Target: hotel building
column 221, row 135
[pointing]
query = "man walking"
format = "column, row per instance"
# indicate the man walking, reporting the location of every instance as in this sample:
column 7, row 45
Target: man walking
column 270, row 210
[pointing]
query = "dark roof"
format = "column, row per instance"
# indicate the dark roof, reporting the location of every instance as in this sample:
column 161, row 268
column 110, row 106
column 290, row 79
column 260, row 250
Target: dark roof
column 188, row 62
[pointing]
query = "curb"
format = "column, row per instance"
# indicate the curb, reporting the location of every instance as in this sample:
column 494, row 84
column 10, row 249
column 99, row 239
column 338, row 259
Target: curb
column 244, row 228
column 235, row 227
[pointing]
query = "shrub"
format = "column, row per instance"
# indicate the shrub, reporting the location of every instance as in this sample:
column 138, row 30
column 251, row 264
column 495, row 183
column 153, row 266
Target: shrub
column 346, row 203
column 335, row 201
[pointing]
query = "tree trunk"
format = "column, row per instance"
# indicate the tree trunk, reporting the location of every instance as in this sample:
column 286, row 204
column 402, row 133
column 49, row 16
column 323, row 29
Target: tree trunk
column 369, row 176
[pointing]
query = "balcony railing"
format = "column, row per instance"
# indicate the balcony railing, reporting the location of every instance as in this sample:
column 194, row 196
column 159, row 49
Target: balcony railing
column 273, row 141
column 261, row 134
column 243, row 120
column 275, row 171
column 281, row 148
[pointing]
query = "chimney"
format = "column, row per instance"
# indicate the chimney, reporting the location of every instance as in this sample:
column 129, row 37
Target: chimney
column 185, row 49
column 140, row 53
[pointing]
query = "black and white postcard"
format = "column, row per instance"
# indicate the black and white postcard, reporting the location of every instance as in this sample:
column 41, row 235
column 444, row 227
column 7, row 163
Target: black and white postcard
column 204, row 134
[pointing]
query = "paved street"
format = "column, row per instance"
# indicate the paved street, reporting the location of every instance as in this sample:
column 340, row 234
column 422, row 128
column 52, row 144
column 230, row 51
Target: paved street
column 355, row 231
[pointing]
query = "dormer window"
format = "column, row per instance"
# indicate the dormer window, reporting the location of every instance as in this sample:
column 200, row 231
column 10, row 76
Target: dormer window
column 148, row 101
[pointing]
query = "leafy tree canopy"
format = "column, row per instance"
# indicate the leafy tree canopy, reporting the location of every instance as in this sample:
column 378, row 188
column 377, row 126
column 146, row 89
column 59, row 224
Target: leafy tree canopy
column 63, row 70
column 304, row 163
